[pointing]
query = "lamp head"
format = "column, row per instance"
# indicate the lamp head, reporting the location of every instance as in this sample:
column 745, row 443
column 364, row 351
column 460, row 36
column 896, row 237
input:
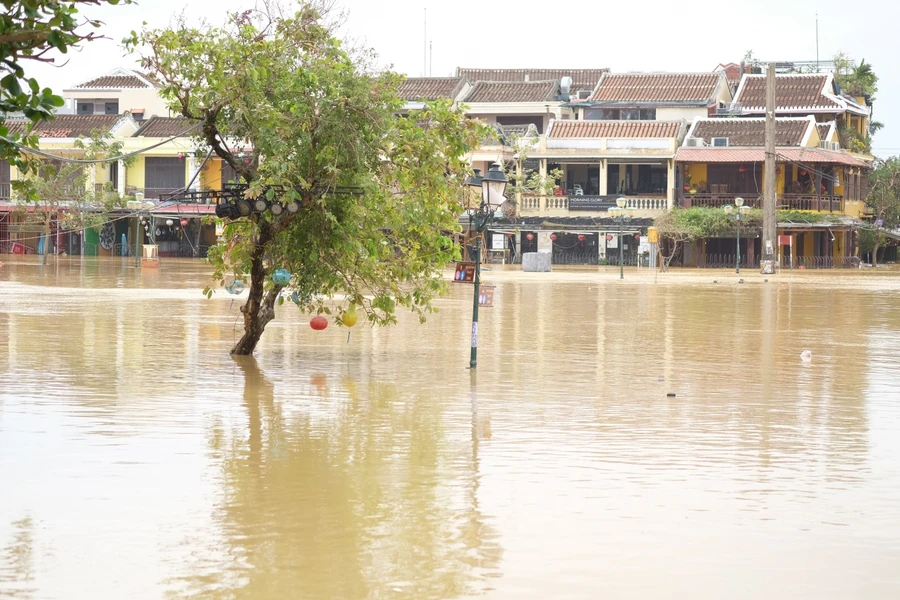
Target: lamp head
column 614, row 211
column 475, row 179
column 739, row 202
column 620, row 202
column 745, row 210
column 493, row 185
column 728, row 209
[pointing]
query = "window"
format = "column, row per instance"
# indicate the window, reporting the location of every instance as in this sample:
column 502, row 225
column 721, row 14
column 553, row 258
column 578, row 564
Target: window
column 163, row 174
column 523, row 120
column 112, row 108
column 629, row 114
column 617, row 114
column 648, row 114
column 229, row 175
column 85, row 108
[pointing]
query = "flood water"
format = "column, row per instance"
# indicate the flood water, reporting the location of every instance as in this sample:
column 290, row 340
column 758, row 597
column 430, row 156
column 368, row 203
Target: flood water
column 137, row 460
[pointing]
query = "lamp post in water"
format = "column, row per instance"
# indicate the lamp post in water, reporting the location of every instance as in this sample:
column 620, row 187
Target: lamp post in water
column 742, row 211
column 492, row 185
column 621, row 215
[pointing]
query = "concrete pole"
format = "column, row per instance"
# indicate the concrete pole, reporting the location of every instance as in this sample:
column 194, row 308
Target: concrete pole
column 770, row 224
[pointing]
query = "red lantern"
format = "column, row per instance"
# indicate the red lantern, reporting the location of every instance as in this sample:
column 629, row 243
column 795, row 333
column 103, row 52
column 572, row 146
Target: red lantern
column 742, row 169
column 580, row 237
column 609, row 237
column 184, row 222
column 778, row 171
column 637, row 236
column 318, row 323
column 529, row 236
column 553, row 237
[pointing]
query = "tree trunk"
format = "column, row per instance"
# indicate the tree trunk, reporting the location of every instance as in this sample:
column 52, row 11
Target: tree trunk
column 46, row 239
column 258, row 310
column 875, row 251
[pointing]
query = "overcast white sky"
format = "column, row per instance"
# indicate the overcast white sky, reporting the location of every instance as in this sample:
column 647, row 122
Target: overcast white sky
column 625, row 36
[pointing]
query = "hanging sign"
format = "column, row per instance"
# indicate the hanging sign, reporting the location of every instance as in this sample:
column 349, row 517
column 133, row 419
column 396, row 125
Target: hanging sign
column 784, row 240
column 612, row 243
column 498, row 241
column 486, row 296
column 465, row 272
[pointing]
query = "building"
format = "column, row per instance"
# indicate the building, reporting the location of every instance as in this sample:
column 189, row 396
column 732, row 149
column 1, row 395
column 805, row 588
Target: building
column 117, row 92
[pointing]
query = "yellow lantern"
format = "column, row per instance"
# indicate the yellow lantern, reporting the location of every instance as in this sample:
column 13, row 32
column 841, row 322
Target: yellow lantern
column 349, row 317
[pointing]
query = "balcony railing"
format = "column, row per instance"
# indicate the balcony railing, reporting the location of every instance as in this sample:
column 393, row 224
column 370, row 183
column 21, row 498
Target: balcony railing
column 820, row 203
column 559, row 205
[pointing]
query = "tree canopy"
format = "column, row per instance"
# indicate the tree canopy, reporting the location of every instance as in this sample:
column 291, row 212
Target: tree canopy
column 379, row 193
column 31, row 30
column 884, row 200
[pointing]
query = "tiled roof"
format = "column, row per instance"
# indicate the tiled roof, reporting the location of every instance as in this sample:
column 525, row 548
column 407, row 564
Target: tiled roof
column 580, row 77
column 16, row 126
column 792, row 92
column 67, row 126
column 116, row 82
column 502, row 91
column 164, row 127
column 749, row 155
column 615, row 129
column 824, row 130
column 751, row 132
column 430, row 88
column 657, row 88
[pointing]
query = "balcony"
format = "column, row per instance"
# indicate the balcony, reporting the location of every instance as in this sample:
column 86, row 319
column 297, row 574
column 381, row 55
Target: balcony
column 820, row 203
column 584, row 206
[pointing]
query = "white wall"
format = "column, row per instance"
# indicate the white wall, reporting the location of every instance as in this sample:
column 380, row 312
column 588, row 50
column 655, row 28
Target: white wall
column 678, row 113
column 129, row 99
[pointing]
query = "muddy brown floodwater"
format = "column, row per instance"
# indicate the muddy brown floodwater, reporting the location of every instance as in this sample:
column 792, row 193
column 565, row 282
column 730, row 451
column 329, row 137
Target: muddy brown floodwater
column 137, row 460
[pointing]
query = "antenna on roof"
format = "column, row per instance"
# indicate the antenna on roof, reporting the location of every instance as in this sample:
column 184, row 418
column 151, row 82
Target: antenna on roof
column 425, row 45
column 430, row 56
column 817, row 41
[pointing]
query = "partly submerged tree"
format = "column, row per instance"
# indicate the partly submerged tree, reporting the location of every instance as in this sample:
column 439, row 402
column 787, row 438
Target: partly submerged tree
column 379, row 194
column 884, row 199
column 33, row 30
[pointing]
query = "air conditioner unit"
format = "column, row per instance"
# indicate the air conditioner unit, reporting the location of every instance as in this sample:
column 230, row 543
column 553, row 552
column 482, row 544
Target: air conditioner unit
column 693, row 142
column 719, row 142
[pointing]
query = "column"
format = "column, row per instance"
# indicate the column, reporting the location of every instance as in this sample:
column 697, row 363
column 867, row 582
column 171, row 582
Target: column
column 120, row 183
column 670, row 184
column 193, row 165
column 603, row 182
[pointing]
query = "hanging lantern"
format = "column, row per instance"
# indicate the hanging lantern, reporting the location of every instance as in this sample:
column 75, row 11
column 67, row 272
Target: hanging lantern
column 170, row 222
column 803, row 171
column 580, row 237
column 742, row 169
column 349, row 318
column 778, row 170
column 184, row 222
column 529, row 236
column 235, row 287
column 181, row 155
column 553, row 237
column 281, row 277
column 318, row 322
column 609, row 237
column 637, row 236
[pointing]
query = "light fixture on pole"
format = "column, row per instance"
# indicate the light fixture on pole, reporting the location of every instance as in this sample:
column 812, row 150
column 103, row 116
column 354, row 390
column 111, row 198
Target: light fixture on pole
column 742, row 211
column 621, row 215
column 493, row 185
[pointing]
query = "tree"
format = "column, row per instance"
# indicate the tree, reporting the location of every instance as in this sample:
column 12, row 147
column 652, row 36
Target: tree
column 379, row 194
column 59, row 190
column 32, row 30
column 673, row 234
column 884, row 199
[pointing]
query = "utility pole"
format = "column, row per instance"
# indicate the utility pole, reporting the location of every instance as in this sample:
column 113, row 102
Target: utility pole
column 770, row 224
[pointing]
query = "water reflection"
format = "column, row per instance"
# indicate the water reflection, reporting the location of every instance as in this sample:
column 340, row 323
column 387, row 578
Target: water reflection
column 362, row 497
column 17, row 561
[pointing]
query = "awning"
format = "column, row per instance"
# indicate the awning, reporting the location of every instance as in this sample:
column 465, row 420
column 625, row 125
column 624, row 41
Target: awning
column 751, row 155
column 185, row 210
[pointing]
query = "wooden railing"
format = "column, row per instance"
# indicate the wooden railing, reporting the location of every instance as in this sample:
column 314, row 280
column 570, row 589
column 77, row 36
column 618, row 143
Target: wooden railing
column 814, row 202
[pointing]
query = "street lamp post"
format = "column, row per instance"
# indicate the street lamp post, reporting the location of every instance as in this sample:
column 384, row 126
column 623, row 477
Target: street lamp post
column 492, row 185
column 621, row 215
column 741, row 211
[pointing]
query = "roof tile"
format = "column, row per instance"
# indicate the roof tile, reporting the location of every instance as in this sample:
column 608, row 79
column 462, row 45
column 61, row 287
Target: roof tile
column 614, row 129
column 69, row 126
column 580, row 77
column 115, row 82
column 503, row 91
column 748, row 155
column 792, row 91
column 751, row 132
column 164, row 127
column 429, row 88
column 657, row 88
